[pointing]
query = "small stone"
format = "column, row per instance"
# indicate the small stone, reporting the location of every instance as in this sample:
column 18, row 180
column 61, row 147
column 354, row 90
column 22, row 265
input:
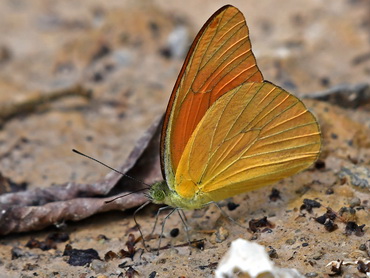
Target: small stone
column 232, row 206
column 320, row 164
column 161, row 261
column 102, row 238
column 311, row 274
column 221, row 234
column 153, row 274
column 367, row 244
column 290, row 241
column 355, row 202
column 275, row 195
column 98, row 266
column 18, row 252
column 174, row 232
column 317, row 256
column 309, row 204
column 330, row 226
column 272, row 253
column 362, row 247
column 254, row 237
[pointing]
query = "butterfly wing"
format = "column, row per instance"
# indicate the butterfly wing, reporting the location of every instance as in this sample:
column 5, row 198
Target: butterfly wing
column 254, row 135
column 219, row 60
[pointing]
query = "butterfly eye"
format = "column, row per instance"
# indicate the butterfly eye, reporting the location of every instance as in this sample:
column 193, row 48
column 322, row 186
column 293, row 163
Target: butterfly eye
column 157, row 192
column 159, row 195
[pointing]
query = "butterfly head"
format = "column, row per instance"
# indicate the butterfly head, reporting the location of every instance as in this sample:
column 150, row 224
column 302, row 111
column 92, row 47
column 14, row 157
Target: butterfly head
column 158, row 192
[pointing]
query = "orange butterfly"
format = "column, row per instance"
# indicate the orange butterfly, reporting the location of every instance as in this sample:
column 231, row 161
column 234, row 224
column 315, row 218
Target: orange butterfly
column 226, row 130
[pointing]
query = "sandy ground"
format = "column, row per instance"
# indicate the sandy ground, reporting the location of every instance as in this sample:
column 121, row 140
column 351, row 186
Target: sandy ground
column 116, row 49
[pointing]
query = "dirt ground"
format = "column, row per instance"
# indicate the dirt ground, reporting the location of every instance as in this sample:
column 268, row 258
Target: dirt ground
column 119, row 50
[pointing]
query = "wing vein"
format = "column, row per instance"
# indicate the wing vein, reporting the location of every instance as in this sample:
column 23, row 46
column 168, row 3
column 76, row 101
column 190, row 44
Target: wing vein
column 288, row 129
column 279, row 150
column 264, row 165
column 222, row 57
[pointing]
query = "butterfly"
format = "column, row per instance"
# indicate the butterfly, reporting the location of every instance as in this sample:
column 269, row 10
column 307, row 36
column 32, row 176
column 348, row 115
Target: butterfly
column 226, row 130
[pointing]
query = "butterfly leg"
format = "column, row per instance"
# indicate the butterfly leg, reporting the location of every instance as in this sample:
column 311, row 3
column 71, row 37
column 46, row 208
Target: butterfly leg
column 156, row 217
column 228, row 216
column 163, row 224
column 137, row 224
column 186, row 227
column 184, row 216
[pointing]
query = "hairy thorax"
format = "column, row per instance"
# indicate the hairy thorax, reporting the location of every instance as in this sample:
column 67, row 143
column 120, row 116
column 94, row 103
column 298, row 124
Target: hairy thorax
column 160, row 193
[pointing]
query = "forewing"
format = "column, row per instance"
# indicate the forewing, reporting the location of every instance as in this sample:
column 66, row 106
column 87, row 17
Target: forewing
column 254, row 135
column 219, row 60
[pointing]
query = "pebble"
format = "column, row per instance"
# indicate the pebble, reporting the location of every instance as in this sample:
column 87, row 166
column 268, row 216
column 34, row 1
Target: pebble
column 17, row 252
column 367, row 244
column 272, row 253
column 362, row 247
column 311, row 274
column 317, row 256
column 290, row 241
column 98, row 266
column 220, row 236
column 174, row 232
column 153, row 274
column 355, row 202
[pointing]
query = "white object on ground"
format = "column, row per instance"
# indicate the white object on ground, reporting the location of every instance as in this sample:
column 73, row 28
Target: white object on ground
column 249, row 259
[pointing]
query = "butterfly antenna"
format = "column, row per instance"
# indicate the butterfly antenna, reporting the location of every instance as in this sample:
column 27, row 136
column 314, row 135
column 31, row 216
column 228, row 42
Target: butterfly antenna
column 119, row 197
column 115, row 170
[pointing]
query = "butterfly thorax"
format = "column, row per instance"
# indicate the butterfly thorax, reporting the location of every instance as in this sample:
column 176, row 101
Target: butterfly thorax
column 160, row 193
